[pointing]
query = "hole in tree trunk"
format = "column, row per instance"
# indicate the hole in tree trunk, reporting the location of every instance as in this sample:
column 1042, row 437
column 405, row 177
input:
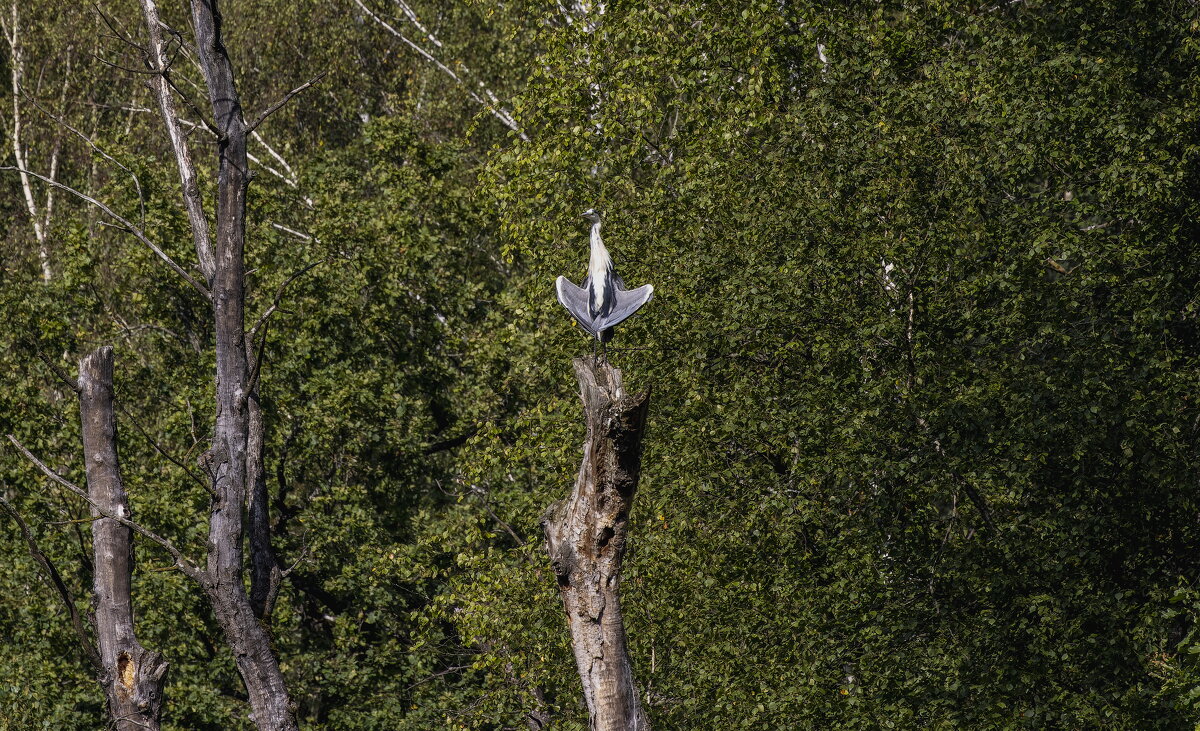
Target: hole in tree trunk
column 126, row 669
column 606, row 535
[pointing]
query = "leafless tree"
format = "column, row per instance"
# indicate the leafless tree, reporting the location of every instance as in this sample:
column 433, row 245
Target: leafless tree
column 131, row 676
column 234, row 461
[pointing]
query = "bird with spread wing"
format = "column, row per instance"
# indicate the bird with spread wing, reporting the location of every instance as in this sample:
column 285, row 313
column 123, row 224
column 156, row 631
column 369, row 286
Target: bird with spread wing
column 601, row 302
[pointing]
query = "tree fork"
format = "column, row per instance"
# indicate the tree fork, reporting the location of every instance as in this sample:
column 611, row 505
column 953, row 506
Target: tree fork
column 585, row 536
column 132, row 676
column 234, row 459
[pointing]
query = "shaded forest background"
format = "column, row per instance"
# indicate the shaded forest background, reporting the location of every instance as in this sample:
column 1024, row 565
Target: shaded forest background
column 924, row 349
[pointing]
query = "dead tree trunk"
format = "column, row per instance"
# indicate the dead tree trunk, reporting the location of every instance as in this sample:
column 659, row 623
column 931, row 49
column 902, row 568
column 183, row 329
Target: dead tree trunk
column 265, row 574
column 231, row 449
column 131, row 675
column 585, row 536
column 234, row 461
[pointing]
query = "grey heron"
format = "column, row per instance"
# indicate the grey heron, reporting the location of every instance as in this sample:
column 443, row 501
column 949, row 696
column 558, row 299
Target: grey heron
column 601, row 302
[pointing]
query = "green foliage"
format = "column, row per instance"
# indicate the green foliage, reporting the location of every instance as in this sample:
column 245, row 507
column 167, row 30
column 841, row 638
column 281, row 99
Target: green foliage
column 858, row 322
column 923, row 352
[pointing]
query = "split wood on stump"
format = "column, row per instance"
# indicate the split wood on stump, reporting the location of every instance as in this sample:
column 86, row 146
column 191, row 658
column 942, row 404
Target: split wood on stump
column 585, row 536
column 131, row 675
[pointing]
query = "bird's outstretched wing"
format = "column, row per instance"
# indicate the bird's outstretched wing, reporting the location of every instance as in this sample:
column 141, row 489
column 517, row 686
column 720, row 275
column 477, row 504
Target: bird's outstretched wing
column 625, row 303
column 575, row 299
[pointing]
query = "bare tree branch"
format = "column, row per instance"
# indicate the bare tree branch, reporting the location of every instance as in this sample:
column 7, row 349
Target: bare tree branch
column 192, row 200
column 205, row 123
column 158, row 448
column 68, row 600
column 279, row 292
column 491, row 103
column 412, row 18
column 290, row 177
column 116, row 32
column 54, row 367
column 125, row 223
column 282, row 176
column 279, row 104
column 291, row 231
column 181, row 561
column 256, row 366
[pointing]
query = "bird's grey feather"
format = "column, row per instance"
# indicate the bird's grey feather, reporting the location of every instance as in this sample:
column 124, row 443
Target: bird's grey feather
column 624, row 303
column 601, row 302
column 619, row 305
column 576, row 300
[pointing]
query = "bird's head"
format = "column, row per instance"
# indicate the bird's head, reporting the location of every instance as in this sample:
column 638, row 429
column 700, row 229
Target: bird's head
column 591, row 215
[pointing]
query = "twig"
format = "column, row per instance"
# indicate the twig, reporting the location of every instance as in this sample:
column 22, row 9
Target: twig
column 56, row 369
column 178, row 463
column 77, row 521
column 487, row 506
column 181, row 561
column 117, row 31
column 295, row 564
column 191, row 105
column 258, row 161
column 262, row 323
column 279, row 294
column 258, row 359
column 126, row 69
column 287, row 98
column 60, row 586
column 137, row 232
column 435, row 676
column 136, row 183
column 448, row 444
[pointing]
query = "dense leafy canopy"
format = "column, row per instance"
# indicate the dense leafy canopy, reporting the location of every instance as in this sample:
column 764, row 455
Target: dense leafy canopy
column 924, row 351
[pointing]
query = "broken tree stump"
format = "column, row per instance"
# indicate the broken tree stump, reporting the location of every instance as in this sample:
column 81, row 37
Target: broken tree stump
column 132, row 676
column 586, row 536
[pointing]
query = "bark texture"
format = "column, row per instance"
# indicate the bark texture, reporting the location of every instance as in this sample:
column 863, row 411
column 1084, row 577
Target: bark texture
column 131, row 675
column 231, row 449
column 586, row 535
column 265, row 574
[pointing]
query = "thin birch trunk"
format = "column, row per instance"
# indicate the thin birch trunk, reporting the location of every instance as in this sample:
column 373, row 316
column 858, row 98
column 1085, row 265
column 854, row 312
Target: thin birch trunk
column 12, row 33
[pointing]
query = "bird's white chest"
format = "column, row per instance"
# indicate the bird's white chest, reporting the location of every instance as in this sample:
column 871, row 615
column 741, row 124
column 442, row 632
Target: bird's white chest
column 599, row 267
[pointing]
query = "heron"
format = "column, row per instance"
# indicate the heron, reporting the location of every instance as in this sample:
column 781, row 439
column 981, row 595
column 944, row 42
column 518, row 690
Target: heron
column 601, row 302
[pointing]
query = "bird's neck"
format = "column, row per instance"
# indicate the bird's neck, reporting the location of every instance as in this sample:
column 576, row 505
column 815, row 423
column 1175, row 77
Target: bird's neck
column 600, row 261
